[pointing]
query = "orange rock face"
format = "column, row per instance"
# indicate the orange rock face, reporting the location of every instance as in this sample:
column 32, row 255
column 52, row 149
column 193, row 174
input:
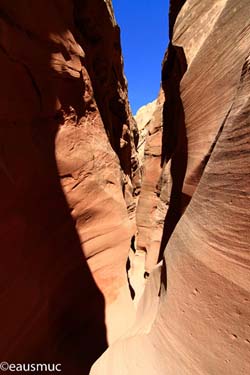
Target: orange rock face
column 152, row 204
column 69, row 176
column 201, row 325
column 67, row 161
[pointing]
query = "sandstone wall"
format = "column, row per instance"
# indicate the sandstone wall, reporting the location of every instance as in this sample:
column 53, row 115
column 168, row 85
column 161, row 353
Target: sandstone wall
column 67, row 161
column 201, row 325
column 152, row 204
column 69, row 175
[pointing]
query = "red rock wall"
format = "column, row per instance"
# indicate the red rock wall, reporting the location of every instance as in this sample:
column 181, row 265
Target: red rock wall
column 151, row 208
column 67, row 158
column 201, row 325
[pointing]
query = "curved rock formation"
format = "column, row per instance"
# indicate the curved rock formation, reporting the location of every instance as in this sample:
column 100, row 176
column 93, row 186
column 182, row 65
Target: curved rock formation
column 69, row 180
column 201, row 325
column 67, row 161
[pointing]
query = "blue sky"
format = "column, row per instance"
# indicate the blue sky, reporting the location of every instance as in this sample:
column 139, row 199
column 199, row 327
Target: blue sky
column 144, row 36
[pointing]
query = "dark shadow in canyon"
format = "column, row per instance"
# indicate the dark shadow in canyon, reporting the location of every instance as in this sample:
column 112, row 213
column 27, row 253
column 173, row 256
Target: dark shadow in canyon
column 51, row 308
column 131, row 289
column 174, row 10
column 174, row 140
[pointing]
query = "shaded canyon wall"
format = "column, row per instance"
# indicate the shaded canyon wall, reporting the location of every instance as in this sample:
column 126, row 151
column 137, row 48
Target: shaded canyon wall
column 68, row 171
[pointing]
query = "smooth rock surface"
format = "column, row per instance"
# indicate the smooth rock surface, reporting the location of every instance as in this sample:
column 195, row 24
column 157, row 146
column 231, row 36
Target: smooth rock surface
column 202, row 323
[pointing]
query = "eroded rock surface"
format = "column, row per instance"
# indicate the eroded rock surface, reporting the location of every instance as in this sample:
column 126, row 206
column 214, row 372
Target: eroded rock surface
column 153, row 199
column 68, row 170
column 202, row 323
column 143, row 118
column 69, row 176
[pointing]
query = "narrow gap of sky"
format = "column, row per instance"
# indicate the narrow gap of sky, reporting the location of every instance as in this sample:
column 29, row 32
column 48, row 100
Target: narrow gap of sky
column 144, row 38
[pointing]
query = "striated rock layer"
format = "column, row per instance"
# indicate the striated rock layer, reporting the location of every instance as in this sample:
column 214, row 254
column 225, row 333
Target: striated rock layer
column 67, row 161
column 201, row 325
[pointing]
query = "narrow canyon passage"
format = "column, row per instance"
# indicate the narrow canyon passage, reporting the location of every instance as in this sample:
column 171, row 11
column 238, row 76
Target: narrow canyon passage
column 124, row 239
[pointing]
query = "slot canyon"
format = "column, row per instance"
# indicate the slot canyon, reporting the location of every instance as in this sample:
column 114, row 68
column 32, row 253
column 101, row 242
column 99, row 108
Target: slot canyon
column 124, row 239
